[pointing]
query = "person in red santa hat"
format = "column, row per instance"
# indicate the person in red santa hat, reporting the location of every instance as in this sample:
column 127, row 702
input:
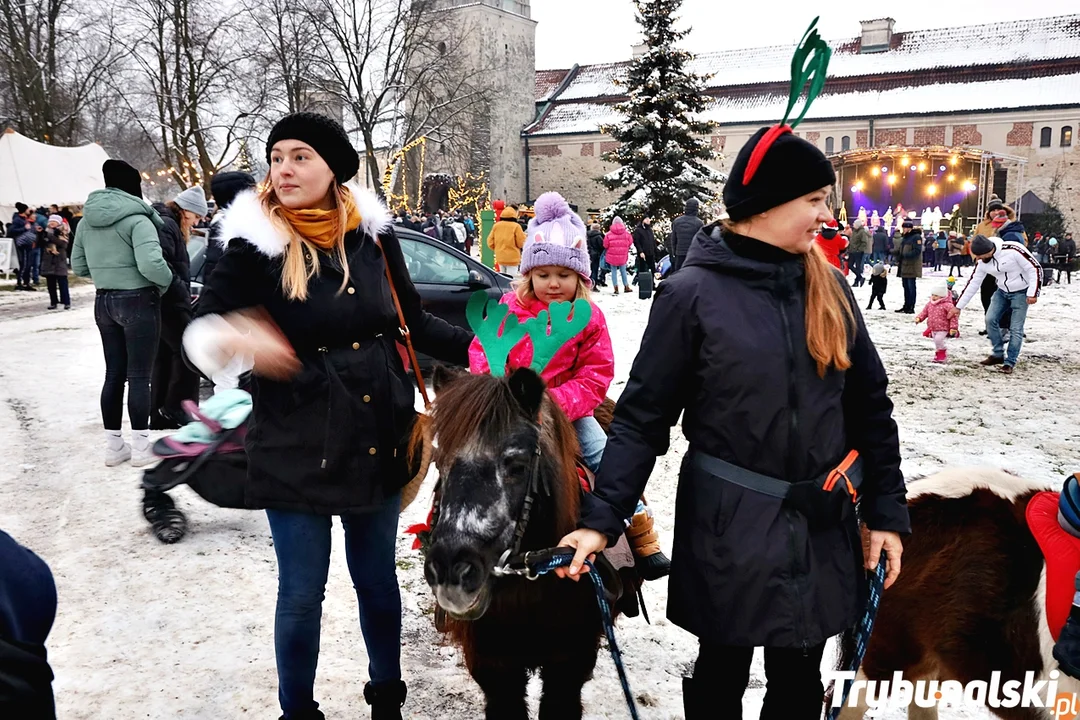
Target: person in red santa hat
column 832, row 243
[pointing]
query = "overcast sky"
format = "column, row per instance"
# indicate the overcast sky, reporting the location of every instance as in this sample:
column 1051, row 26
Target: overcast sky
column 593, row 31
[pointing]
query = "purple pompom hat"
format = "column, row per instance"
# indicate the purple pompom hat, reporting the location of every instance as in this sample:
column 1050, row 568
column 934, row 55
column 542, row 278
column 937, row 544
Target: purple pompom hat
column 556, row 236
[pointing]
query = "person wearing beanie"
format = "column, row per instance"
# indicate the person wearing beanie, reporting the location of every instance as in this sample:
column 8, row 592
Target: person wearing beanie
column 507, row 239
column 941, row 322
column 879, row 283
column 1016, row 272
column 758, row 345
column 173, row 380
column 910, row 260
column 617, row 244
column 54, row 262
column 645, row 246
column 306, row 288
column 224, row 186
column 555, row 267
column 117, row 247
column 683, row 230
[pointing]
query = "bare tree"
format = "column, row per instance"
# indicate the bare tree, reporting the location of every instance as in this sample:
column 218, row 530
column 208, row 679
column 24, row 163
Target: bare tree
column 397, row 73
column 56, row 54
column 185, row 87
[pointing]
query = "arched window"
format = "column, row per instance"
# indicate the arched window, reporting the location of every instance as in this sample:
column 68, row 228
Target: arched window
column 845, row 143
column 1044, row 137
column 828, row 145
column 1066, row 136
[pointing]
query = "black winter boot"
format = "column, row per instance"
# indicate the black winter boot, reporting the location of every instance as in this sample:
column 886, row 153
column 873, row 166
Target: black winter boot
column 1067, row 647
column 309, row 715
column 169, row 524
column 385, row 699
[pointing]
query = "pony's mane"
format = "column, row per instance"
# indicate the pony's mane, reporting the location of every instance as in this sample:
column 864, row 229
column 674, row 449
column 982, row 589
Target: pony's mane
column 957, row 482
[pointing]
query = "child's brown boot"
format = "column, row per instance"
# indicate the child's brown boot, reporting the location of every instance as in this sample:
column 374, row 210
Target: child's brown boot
column 651, row 563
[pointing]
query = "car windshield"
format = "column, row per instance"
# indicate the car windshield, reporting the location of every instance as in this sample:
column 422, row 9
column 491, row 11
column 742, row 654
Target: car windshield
column 429, row 264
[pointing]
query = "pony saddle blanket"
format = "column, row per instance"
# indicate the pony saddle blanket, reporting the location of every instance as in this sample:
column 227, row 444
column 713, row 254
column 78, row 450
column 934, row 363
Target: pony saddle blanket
column 1062, row 554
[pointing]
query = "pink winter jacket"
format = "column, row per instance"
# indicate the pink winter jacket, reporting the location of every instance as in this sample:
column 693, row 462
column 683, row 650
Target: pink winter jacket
column 618, row 242
column 936, row 313
column 579, row 375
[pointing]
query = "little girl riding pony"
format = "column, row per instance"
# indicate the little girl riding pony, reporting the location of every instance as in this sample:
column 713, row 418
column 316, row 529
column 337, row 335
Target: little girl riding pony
column 555, row 268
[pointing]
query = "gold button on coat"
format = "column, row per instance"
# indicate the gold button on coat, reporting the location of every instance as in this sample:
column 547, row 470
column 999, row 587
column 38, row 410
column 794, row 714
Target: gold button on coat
column 367, row 398
column 371, row 451
column 356, row 346
column 352, row 291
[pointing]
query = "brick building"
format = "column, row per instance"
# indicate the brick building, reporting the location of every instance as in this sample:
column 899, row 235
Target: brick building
column 1009, row 89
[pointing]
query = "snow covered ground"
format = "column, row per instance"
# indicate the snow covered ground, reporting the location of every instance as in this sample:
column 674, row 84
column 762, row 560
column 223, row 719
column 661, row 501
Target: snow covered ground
column 146, row 630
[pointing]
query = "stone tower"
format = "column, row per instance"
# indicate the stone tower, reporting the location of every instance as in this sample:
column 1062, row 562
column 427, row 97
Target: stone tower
column 502, row 36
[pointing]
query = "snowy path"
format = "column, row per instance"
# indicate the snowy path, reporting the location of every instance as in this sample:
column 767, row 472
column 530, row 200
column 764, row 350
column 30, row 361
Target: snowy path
column 152, row 631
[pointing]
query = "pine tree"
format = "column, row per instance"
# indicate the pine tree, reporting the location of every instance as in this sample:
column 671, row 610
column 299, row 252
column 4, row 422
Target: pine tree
column 661, row 153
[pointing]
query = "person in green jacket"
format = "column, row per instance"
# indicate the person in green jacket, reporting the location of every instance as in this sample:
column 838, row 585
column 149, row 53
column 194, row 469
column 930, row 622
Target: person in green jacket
column 117, row 247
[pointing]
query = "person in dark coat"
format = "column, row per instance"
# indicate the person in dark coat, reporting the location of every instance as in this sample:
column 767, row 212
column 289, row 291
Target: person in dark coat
column 333, row 411
column 224, row 187
column 595, row 241
column 683, row 230
column 880, row 252
column 174, row 381
column 27, row 611
column 645, row 244
column 910, row 259
column 762, row 393
column 54, row 263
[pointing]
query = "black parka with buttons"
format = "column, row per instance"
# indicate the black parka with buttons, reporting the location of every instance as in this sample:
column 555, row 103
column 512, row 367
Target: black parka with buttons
column 333, row 439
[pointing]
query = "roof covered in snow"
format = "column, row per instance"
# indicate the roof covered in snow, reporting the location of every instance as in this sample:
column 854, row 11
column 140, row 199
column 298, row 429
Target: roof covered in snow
column 1027, row 63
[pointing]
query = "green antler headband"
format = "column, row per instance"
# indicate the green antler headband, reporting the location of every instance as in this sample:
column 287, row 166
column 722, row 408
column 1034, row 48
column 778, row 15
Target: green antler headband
column 808, row 66
column 549, row 330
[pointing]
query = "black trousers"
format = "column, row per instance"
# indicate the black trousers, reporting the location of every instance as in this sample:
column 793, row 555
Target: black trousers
column 879, row 296
column 129, row 322
column 173, row 380
column 722, row 672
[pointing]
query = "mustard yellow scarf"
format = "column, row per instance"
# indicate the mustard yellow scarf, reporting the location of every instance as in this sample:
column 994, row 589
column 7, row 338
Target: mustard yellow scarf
column 321, row 226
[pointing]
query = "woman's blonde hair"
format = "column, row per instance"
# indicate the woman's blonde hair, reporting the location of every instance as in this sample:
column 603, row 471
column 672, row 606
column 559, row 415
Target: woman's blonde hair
column 522, row 287
column 301, row 255
column 830, row 321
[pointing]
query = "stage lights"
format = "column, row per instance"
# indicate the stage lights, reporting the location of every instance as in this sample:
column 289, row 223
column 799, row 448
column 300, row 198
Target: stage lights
column 942, row 168
column 932, row 190
column 922, row 167
column 953, row 160
column 951, row 177
column 905, row 160
column 875, row 171
column 884, row 169
column 892, row 179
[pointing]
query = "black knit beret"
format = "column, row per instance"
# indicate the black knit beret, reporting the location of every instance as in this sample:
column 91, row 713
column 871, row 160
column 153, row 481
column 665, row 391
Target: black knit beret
column 226, row 186
column 325, row 136
column 980, row 245
column 791, row 168
column 118, row 174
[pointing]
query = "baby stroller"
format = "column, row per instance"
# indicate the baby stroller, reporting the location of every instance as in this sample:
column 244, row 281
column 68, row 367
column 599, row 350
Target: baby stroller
column 207, row 455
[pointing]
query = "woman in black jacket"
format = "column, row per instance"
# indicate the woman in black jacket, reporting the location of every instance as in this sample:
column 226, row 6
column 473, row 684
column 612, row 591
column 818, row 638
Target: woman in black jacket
column 303, row 290
column 759, row 343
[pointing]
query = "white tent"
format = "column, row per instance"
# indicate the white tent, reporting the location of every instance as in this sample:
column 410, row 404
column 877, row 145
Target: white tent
column 39, row 174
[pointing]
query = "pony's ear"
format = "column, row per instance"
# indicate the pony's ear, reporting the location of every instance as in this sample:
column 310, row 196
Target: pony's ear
column 442, row 376
column 528, row 390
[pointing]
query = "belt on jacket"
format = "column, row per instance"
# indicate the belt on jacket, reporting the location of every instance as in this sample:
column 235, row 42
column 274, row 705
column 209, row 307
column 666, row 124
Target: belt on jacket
column 850, row 470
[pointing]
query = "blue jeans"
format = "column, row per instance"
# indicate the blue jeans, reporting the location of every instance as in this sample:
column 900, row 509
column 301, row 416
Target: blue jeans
column 592, row 439
column 615, row 270
column 909, row 293
column 35, row 264
column 302, row 544
column 999, row 305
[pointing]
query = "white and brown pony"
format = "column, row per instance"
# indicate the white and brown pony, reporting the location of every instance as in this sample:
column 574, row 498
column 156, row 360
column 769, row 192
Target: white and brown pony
column 971, row 598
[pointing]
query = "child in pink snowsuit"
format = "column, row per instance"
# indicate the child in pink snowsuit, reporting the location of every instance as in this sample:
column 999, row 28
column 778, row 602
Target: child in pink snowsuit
column 939, row 325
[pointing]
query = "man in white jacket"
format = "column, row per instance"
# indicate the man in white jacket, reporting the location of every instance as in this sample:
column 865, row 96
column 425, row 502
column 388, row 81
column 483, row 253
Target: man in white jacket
column 1017, row 273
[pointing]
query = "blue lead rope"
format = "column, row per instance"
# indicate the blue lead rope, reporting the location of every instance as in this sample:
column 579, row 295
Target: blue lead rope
column 563, row 560
column 862, row 634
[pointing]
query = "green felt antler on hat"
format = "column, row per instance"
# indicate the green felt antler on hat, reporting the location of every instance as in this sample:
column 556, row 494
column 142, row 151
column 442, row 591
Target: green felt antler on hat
column 564, row 326
column 549, row 330
column 808, row 65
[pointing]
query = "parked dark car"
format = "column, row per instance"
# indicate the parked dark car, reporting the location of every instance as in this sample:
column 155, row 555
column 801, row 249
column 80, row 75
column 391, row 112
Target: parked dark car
column 445, row 277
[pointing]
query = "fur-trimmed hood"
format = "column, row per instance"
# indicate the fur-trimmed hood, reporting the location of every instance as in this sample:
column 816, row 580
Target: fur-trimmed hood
column 245, row 218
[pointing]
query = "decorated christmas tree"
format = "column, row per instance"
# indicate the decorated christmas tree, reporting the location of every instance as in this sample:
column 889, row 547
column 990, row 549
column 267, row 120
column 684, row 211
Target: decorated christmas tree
column 661, row 153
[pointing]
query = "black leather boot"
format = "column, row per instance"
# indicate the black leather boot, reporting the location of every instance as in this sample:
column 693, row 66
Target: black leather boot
column 385, row 699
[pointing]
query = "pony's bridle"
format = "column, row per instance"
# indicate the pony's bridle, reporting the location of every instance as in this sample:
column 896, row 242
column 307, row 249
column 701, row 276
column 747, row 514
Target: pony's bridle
column 512, row 562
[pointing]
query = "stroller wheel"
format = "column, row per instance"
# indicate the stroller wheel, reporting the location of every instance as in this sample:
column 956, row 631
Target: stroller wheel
column 169, row 523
